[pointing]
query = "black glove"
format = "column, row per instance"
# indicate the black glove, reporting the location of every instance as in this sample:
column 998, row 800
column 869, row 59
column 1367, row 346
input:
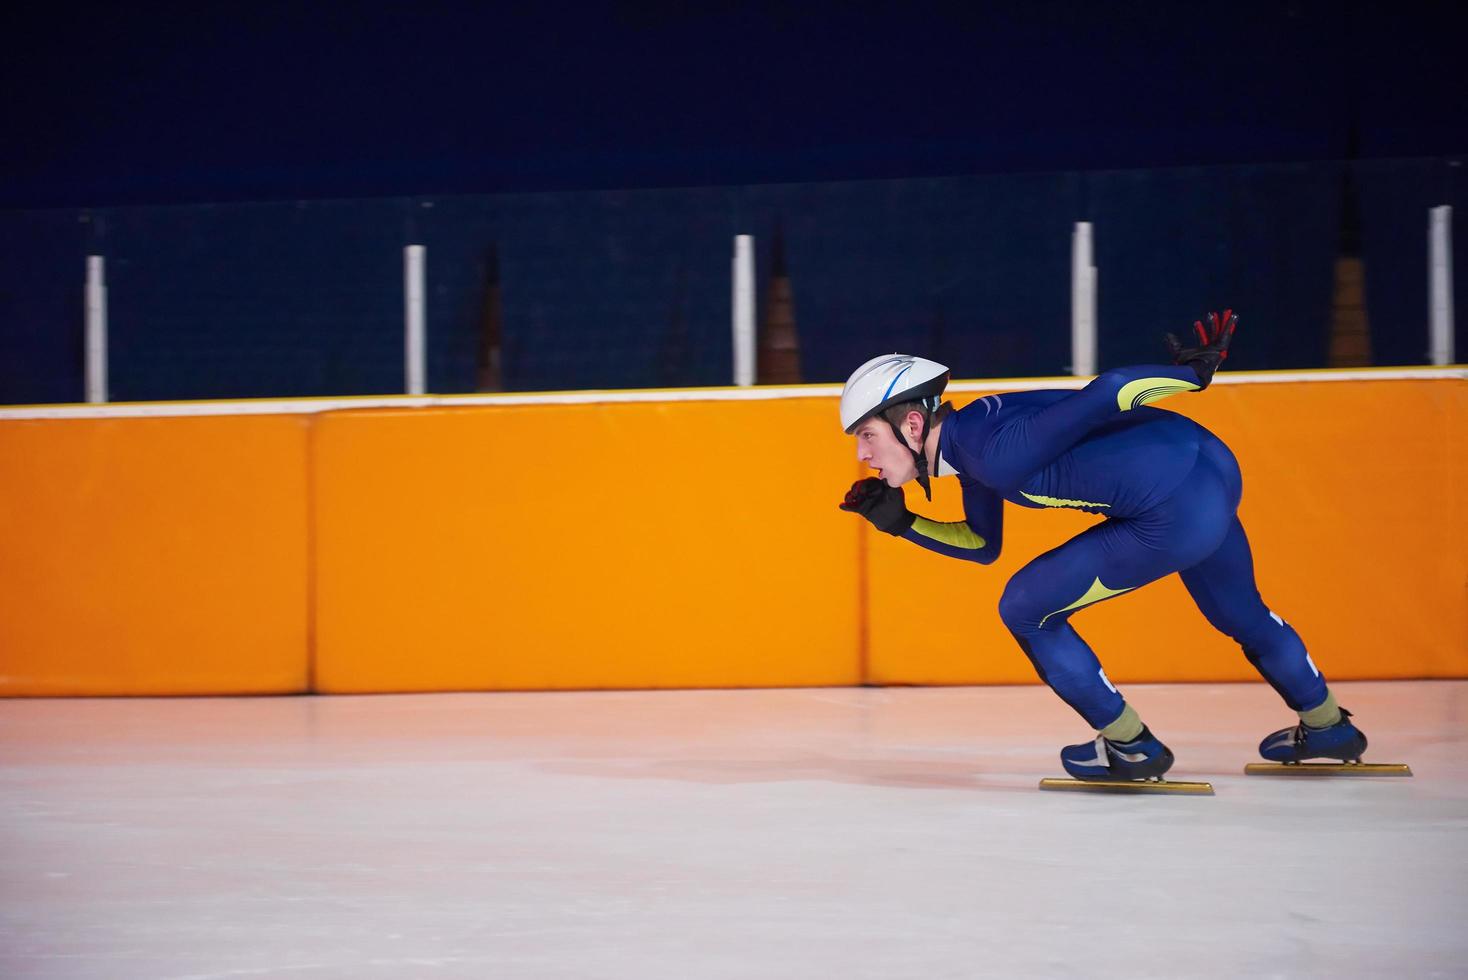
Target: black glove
column 884, row 506
column 1212, row 349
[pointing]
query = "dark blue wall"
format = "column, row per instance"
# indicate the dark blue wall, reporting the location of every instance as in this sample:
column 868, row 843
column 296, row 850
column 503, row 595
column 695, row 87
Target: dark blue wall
column 1395, row 198
column 42, row 308
column 632, row 288
column 128, row 103
column 1202, row 140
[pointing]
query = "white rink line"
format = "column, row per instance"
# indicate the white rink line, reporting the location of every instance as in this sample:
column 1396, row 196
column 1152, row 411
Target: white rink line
column 311, row 406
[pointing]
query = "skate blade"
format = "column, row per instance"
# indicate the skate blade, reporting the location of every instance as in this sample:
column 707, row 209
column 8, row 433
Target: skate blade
column 1129, row 786
column 1327, row 769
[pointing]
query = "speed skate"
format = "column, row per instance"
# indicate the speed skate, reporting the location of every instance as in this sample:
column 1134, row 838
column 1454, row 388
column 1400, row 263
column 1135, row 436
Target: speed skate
column 1134, row 766
column 1290, row 750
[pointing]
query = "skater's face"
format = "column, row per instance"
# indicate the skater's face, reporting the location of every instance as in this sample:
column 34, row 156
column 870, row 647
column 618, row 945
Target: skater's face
column 877, row 446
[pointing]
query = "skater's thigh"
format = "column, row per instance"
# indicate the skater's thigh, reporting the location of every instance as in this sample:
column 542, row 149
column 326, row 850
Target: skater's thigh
column 1100, row 562
column 1223, row 584
column 1125, row 553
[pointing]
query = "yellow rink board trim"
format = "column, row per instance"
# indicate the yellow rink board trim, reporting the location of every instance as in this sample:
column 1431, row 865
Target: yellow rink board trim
column 1179, row 787
column 331, row 403
column 1327, row 769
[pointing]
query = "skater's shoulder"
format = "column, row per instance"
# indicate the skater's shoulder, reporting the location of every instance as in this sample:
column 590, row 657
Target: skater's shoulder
column 1006, row 404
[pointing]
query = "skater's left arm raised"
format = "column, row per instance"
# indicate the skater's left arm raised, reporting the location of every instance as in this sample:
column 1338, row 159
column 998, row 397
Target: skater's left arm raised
column 1021, row 445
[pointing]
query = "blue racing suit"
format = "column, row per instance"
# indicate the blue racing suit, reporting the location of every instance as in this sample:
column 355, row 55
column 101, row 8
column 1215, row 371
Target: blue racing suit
column 1169, row 490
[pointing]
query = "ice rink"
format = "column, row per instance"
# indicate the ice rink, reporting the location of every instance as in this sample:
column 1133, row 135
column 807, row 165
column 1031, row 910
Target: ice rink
column 842, row 833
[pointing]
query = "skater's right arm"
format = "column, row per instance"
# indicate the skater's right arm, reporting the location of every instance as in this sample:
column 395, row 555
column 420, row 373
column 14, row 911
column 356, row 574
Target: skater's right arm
column 978, row 537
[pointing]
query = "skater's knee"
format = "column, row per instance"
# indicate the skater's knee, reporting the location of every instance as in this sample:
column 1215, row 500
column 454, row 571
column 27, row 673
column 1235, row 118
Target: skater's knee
column 1018, row 608
column 1060, row 669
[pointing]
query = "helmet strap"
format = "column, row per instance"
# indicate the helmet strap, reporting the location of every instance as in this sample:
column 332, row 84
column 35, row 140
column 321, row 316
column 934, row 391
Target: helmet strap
column 921, row 458
column 920, row 455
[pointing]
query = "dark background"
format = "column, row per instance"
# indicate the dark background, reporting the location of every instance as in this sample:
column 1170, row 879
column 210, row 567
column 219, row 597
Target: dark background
column 924, row 162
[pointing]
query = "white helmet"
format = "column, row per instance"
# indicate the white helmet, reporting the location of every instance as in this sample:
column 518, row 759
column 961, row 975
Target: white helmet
column 891, row 379
column 887, row 380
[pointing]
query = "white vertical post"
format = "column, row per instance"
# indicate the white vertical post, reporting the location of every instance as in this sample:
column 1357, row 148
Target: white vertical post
column 1082, row 302
column 1440, row 284
column 743, row 310
column 415, row 329
column 96, row 327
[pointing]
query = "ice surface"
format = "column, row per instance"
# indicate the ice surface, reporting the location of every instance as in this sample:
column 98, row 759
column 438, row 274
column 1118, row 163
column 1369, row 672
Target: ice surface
column 832, row 833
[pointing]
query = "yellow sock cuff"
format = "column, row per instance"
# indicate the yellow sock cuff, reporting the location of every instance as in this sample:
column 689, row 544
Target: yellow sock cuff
column 1127, row 726
column 1324, row 714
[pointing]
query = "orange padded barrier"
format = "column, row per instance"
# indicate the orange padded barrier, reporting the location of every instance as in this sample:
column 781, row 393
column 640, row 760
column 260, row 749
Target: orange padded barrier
column 634, row 545
column 153, row 556
column 1356, row 505
column 666, row 544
